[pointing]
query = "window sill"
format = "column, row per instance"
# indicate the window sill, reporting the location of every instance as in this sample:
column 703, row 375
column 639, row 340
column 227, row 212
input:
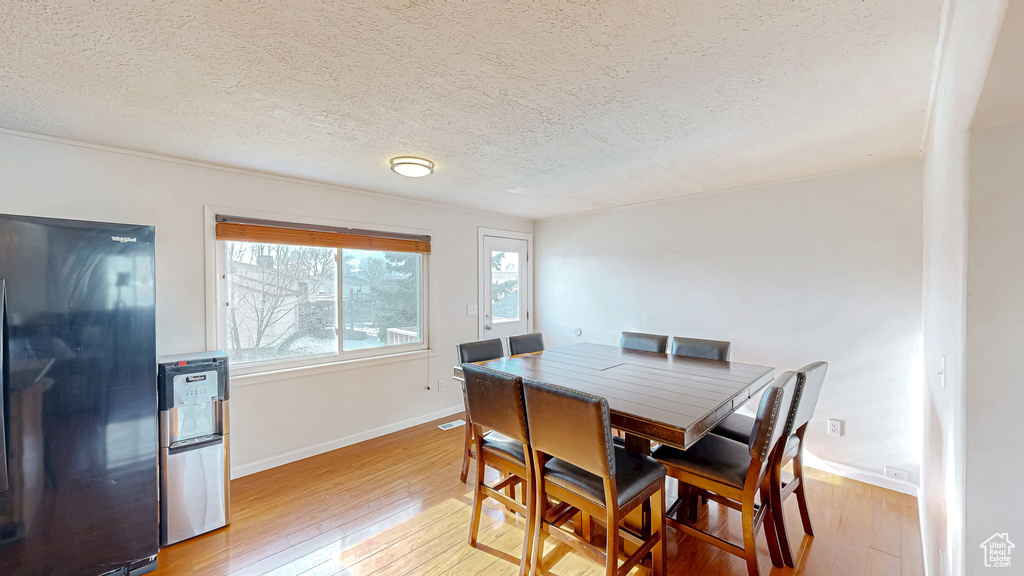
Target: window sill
column 272, row 375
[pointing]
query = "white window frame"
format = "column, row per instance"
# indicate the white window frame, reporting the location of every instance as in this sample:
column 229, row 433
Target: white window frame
column 216, row 313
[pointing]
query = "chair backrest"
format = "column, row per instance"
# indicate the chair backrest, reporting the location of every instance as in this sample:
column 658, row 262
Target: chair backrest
column 479, row 351
column 525, row 343
column 813, row 379
column 495, row 401
column 769, row 423
column 641, row 341
column 570, row 425
column 700, row 348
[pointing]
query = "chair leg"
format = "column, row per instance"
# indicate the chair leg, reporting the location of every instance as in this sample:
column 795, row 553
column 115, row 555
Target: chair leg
column 690, row 503
column 778, row 514
column 658, row 566
column 587, row 522
column 510, row 491
column 540, row 509
column 801, row 499
column 478, row 500
column 749, row 538
column 771, row 532
column 465, row 453
column 645, row 522
column 530, row 495
column 612, row 544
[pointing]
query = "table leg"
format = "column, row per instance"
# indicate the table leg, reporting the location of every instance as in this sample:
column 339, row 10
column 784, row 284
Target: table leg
column 638, row 444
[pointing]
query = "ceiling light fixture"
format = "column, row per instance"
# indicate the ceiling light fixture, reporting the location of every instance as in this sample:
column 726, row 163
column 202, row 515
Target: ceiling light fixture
column 412, row 166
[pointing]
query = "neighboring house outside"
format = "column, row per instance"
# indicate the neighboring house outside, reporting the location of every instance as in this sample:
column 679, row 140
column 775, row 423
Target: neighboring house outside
column 274, row 314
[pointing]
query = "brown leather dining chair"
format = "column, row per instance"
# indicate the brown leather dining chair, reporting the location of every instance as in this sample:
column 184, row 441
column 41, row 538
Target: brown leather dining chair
column 738, row 427
column 495, row 401
column 525, row 343
column 576, row 463
column 477, row 351
column 734, row 474
column 645, row 342
column 701, row 348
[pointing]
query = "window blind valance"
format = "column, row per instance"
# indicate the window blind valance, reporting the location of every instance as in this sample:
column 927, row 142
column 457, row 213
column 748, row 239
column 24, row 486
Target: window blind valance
column 273, row 232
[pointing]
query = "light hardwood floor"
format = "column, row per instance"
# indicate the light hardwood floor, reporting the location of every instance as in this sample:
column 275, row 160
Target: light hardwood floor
column 394, row 506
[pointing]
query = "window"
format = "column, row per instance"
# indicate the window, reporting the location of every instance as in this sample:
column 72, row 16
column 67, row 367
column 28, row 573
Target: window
column 299, row 295
column 504, row 286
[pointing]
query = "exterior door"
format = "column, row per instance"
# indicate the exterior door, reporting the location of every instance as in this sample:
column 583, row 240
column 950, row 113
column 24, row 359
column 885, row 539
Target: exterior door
column 505, row 287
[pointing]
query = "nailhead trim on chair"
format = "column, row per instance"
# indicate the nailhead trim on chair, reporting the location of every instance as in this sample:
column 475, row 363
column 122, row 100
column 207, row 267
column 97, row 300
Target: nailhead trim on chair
column 768, row 438
column 796, row 402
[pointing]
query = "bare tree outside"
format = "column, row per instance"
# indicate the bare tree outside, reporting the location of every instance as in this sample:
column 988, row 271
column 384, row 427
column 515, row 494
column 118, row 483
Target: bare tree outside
column 282, row 300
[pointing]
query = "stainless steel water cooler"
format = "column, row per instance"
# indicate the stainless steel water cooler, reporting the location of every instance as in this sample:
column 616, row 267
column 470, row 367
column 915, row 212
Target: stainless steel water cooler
column 194, row 449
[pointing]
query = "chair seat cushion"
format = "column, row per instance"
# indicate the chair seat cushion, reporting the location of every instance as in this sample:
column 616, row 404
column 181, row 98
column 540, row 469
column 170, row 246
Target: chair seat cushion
column 633, row 474
column 505, row 447
column 735, row 427
column 716, row 458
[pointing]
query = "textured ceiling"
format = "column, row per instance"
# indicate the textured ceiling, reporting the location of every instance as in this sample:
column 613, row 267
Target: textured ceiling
column 529, row 107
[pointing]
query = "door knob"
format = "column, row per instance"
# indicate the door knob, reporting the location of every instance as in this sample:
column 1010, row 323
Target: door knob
column 487, row 327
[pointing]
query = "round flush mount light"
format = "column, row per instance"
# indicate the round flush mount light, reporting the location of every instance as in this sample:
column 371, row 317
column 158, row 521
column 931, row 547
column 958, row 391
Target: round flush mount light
column 411, row 166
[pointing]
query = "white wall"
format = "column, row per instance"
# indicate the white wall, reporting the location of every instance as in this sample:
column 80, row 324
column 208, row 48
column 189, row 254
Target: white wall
column 318, row 410
column 995, row 341
column 972, row 28
column 825, row 268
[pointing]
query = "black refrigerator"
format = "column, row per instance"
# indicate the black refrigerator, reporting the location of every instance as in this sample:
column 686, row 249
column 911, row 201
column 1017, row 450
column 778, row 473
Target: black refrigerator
column 78, row 441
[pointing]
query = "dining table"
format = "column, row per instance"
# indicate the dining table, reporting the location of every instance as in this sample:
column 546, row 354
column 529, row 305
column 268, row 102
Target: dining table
column 652, row 396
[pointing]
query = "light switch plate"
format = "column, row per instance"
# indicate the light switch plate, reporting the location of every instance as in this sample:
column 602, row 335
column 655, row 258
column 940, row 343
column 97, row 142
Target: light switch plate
column 471, row 310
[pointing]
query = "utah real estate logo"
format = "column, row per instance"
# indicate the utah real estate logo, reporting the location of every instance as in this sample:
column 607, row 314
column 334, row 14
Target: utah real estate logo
column 997, row 550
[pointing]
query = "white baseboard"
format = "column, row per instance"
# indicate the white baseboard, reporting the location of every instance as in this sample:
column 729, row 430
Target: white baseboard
column 288, row 457
column 810, row 461
column 861, row 475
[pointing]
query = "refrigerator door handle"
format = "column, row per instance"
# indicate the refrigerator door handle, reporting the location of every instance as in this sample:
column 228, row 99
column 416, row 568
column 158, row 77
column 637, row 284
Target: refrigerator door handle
column 5, row 355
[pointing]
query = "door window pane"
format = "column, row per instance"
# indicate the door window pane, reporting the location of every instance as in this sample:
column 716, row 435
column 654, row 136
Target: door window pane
column 504, row 286
column 281, row 302
column 381, row 298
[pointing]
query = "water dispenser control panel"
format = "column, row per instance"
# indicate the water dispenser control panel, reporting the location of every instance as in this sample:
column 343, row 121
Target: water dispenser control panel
column 199, row 388
column 193, row 393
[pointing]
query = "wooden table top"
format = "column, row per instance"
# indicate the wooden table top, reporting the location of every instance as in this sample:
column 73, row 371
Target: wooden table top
column 670, row 399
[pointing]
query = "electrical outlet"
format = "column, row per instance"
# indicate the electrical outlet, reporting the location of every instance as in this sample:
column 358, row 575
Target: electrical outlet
column 896, row 474
column 471, row 310
column 440, row 385
column 835, row 427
